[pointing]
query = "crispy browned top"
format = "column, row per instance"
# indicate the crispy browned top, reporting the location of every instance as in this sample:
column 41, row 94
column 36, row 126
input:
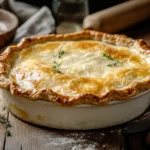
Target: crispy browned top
column 88, row 67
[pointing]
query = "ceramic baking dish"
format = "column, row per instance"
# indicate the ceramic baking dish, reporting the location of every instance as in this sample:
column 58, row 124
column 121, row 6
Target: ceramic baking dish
column 42, row 84
column 81, row 117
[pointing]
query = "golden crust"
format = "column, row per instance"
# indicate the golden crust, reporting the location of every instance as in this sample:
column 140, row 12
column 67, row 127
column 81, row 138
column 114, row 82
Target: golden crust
column 7, row 57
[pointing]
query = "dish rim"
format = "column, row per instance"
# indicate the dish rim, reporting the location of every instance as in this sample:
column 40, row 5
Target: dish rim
column 11, row 26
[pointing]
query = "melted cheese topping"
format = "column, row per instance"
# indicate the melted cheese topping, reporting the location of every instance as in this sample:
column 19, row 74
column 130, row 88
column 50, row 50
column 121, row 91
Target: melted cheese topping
column 82, row 68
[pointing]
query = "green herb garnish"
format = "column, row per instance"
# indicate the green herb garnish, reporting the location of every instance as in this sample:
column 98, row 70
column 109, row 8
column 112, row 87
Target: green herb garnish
column 108, row 56
column 111, row 58
column 56, row 66
column 8, row 133
column 8, row 125
column 4, row 108
column 113, row 64
column 61, row 53
column 3, row 120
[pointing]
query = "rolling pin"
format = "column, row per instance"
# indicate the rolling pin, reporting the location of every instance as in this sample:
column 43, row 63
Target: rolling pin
column 118, row 17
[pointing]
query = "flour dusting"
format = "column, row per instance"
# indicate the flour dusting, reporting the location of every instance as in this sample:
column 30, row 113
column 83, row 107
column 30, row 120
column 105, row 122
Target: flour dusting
column 87, row 147
column 64, row 141
column 73, row 141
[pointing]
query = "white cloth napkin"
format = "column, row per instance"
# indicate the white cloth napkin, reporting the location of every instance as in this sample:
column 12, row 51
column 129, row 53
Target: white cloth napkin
column 40, row 23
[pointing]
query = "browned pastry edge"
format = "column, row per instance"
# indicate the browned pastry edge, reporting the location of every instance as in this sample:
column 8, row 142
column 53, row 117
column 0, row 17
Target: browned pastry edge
column 50, row 95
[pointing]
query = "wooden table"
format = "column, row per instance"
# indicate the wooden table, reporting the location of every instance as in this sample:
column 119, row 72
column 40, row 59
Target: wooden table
column 26, row 136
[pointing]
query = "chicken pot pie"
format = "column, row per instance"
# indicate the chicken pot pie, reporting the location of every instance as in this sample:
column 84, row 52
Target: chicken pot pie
column 86, row 67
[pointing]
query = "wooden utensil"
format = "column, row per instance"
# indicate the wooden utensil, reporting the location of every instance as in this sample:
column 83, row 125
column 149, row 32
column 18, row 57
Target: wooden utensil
column 118, row 17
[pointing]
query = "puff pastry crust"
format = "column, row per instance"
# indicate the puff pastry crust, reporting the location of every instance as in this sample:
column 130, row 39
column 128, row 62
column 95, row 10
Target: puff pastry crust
column 86, row 67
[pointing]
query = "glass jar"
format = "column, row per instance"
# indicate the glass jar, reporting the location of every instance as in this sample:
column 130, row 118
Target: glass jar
column 69, row 14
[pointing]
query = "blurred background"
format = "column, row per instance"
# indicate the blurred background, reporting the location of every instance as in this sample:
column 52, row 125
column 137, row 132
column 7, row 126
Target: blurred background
column 61, row 7
column 130, row 17
column 94, row 5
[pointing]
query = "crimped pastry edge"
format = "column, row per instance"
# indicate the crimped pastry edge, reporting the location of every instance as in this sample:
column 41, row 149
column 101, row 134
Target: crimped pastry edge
column 50, row 95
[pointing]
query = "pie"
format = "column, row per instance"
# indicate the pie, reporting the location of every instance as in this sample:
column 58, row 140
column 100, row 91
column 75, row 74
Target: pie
column 86, row 67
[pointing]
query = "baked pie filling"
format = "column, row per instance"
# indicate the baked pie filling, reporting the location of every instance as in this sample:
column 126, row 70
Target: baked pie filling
column 92, row 68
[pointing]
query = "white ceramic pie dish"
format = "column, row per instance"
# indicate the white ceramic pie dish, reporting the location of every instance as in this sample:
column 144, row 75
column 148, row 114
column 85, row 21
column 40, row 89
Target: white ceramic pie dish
column 79, row 81
column 80, row 117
